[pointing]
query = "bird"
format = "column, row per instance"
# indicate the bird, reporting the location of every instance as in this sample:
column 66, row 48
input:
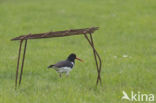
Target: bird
column 66, row 65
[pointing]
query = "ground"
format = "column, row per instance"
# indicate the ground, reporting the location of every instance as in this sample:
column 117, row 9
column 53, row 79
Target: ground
column 126, row 41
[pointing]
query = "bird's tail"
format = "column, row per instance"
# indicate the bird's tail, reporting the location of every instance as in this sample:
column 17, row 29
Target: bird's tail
column 50, row 66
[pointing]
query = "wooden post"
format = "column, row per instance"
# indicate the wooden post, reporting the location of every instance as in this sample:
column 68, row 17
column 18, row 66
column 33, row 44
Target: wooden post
column 19, row 54
column 95, row 57
column 23, row 62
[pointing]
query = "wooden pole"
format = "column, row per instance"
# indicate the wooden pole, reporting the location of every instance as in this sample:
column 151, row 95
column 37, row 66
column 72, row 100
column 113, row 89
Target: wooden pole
column 19, row 54
column 96, row 54
column 23, row 62
column 95, row 57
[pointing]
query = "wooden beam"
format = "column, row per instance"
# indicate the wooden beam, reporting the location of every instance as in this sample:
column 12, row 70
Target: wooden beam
column 57, row 34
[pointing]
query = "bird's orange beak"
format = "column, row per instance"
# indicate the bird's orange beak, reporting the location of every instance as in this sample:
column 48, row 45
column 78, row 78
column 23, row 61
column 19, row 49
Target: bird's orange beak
column 79, row 59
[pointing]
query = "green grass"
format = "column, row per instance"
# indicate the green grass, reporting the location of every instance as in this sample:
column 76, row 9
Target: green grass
column 126, row 28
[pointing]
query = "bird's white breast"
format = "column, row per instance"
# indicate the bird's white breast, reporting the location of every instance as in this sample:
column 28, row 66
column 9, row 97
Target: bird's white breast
column 63, row 69
column 72, row 63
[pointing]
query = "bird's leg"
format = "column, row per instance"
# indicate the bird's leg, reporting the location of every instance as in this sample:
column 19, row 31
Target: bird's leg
column 60, row 75
column 67, row 74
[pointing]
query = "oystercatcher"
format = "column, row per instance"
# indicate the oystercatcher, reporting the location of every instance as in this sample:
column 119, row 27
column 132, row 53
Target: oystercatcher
column 66, row 65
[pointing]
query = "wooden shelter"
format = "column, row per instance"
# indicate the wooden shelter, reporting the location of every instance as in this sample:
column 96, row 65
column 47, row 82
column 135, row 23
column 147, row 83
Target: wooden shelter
column 57, row 34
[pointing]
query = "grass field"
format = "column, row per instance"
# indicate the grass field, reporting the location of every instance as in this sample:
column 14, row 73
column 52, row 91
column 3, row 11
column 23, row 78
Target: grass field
column 126, row 42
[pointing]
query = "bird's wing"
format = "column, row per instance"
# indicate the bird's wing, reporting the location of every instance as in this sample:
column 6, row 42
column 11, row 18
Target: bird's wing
column 63, row 64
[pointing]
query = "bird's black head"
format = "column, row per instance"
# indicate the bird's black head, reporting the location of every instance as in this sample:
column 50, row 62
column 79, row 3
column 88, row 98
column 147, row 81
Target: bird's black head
column 72, row 58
